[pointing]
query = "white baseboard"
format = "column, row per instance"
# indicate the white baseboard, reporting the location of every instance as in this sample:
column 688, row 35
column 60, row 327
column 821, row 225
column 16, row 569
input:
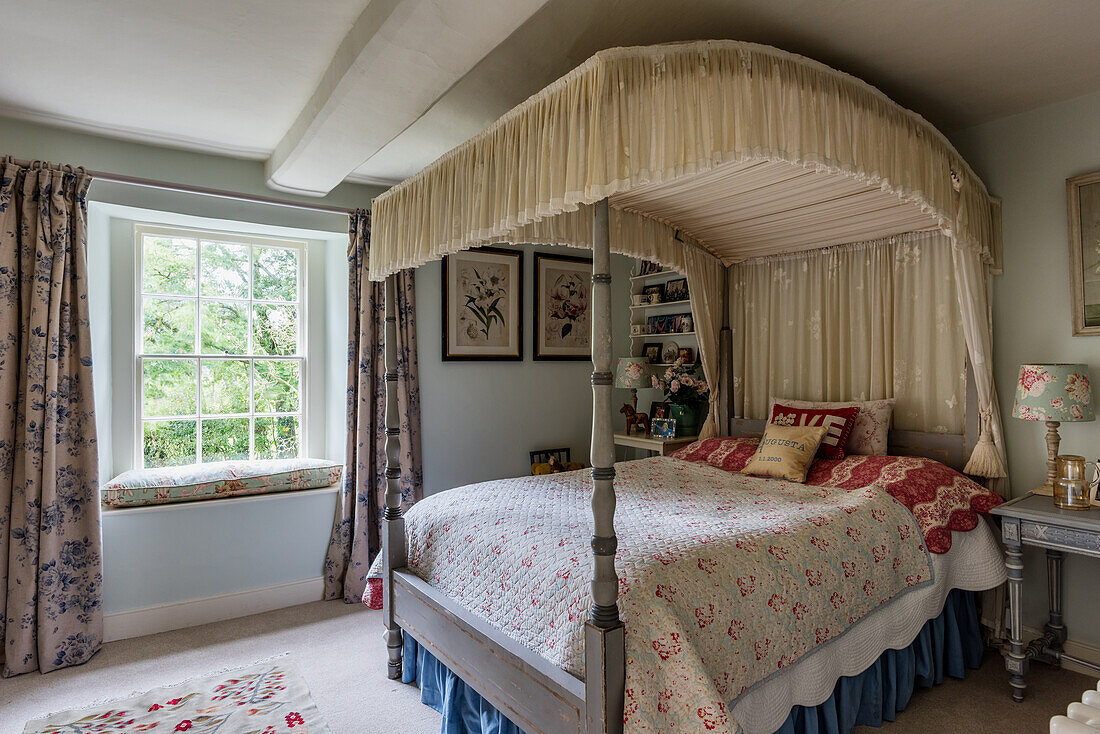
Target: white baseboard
column 192, row 612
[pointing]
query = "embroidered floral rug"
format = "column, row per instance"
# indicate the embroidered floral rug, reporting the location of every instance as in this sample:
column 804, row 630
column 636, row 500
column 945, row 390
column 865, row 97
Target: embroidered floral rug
column 265, row 698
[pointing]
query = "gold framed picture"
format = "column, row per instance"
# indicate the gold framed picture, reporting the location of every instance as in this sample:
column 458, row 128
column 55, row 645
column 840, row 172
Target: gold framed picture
column 1083, row 198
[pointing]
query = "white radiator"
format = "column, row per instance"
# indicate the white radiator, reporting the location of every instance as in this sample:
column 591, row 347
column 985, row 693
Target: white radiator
column 1082, row 717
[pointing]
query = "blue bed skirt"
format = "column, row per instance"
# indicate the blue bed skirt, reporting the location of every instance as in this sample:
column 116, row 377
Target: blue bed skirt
column 946, row 645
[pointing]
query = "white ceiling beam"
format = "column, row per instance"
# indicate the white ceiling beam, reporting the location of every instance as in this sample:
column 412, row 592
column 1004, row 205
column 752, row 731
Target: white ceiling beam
column 398, row 59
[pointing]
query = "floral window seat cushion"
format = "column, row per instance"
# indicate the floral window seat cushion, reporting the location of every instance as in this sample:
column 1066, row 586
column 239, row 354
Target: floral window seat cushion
column 218, row 479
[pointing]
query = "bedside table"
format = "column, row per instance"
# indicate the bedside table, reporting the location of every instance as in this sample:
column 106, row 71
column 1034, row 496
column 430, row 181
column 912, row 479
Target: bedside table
column 662, row 446
column 1035, row 520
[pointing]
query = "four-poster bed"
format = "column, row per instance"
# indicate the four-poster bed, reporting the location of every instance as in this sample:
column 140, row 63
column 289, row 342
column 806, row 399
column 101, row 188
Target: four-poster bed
column 696, row 156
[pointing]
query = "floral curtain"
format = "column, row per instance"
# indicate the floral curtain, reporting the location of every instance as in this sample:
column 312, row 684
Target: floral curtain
column 878, row 319
column 357, row 528
column 50, row 557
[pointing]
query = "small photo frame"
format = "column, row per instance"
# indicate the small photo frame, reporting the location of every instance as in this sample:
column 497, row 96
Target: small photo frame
column 639, row 329
column 653, row 293
column 652, row 352
column 688, row 355
column 657, row 411
column 676, row 290
column 663, row 428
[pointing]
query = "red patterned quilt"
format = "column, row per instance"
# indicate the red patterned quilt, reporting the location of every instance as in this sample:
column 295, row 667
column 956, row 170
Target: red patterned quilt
column 725, row 579
column 939, row 497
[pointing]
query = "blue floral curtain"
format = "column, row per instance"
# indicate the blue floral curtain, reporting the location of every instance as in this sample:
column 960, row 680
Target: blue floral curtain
column 50, row 561
column 357, row 528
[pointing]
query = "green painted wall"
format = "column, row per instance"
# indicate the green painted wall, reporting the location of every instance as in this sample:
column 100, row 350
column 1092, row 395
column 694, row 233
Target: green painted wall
column 1025, row 159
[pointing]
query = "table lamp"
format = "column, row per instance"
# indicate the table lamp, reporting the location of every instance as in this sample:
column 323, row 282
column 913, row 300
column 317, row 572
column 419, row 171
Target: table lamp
column 632, row 372
column 1055, row 393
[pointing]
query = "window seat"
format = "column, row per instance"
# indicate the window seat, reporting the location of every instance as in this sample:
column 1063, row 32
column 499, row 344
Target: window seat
column 194, row 482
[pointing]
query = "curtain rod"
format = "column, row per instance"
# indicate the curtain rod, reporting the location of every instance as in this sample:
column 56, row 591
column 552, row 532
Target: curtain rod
column 200, row 190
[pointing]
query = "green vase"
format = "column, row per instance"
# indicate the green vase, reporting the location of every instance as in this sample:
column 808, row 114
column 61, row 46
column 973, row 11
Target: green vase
column 687, row 419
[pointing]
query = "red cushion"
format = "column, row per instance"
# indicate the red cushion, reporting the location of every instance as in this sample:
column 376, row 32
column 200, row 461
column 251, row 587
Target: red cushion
column 839, row 421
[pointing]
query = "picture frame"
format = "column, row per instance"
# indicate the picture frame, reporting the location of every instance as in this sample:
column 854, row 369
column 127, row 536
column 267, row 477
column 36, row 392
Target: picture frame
column 657, row 411
column 688, row 355
column 561, row 308
column 675, row 290
column 654, row 292
column 652, row 352
column 482, row 300
column 1083, row 205
column 663, row 428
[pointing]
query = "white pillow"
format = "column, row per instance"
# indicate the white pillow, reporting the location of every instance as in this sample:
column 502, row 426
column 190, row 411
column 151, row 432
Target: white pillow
column 871, row 432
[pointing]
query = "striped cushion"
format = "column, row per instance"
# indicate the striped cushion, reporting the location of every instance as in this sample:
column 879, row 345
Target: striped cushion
column 837, row 421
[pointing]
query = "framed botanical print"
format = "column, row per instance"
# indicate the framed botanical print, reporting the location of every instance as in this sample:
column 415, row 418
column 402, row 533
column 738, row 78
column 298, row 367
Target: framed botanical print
column 482, row 305
column 562, row 321
column 1083, row 196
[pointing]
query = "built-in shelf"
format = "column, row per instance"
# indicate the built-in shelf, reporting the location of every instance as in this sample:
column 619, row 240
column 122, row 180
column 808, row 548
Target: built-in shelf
column 652, row 276
column 675, row 333
column 665, row 303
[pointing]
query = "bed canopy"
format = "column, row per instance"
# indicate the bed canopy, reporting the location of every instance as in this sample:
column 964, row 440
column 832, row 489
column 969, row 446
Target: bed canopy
column 707, row 153
column 696, row 156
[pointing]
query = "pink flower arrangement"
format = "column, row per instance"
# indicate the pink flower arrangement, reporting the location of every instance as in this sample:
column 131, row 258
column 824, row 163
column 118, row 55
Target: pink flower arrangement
column 681, row 386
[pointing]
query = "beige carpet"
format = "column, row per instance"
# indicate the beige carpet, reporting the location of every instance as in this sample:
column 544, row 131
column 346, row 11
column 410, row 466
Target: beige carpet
column 338, row 649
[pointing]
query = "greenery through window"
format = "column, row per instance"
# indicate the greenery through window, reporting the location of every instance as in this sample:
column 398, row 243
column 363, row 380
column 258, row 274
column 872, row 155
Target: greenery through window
column 220, row 353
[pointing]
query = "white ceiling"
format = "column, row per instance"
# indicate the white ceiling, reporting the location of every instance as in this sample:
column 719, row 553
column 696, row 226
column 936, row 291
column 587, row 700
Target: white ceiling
column 330, row 89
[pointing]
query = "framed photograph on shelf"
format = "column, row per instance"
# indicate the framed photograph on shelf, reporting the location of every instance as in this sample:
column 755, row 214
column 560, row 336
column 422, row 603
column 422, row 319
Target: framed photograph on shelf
column 1083, row 197
column 663, row 428
column 563, row 328
column 654, row 293
column 482, row 305
column 676, row 290
column 657, row 411
column 652, row 352
column 688, row 355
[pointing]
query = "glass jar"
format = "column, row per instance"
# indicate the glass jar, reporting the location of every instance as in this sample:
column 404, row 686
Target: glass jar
column 1072, row 490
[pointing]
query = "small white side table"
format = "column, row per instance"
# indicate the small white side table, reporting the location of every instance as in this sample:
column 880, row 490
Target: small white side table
column 660, row 446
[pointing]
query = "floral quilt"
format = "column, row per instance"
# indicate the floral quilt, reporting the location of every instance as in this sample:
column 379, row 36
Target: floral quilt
column 941, row 498
column 725, row 579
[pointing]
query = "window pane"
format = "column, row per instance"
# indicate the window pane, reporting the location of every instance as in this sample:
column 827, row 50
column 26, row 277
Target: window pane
column 224, row 386
column 277, row 438
column 276, row 386
column 224, row 439
column 168, row 326
column 275, row 329
column 224, row 270
column 224, row 327
column 168, row 265
column 168, row 387
column 169, row 443
column 275, row 274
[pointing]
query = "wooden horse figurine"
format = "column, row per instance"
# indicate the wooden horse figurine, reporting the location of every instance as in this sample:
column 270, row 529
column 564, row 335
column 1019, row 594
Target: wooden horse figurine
column 634, row 418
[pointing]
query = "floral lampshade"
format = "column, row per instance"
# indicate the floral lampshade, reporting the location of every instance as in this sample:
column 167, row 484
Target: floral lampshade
column 1053, row 392
column 632, row 372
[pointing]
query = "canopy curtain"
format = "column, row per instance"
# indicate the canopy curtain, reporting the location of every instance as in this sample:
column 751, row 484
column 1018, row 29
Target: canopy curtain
column 51, row 578
column 357, row 526
column 873, row 320
column 633, row 117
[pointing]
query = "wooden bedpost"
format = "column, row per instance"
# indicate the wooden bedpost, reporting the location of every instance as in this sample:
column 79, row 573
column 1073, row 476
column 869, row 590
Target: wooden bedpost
column 725, row 360
column 393, row 525
column 604, row 641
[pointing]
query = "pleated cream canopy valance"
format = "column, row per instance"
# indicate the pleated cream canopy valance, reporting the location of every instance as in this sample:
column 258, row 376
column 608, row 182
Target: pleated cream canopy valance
column 708, row 153
column 743, row 149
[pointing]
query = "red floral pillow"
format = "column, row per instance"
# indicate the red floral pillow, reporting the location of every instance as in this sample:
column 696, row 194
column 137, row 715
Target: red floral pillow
column 838, row 421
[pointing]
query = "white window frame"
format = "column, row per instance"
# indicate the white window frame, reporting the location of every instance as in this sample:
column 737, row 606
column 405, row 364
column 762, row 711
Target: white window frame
column 141, row 230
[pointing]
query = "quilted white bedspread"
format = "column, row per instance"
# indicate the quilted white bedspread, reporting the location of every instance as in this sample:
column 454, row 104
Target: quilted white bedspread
column 725, row 579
